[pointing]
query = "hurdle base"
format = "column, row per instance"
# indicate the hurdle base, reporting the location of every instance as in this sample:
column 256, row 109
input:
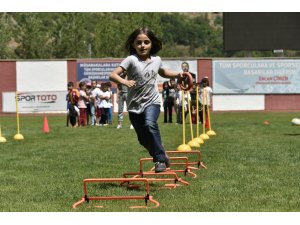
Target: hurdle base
column 211, row 133
column 184, row 147
column 146, row 198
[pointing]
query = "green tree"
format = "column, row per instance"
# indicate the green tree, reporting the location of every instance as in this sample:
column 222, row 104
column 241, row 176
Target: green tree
column 32, row 37
column 107, row 39
column 193, row 32
column 5, row 36
column 69, row 39
column 214, row 46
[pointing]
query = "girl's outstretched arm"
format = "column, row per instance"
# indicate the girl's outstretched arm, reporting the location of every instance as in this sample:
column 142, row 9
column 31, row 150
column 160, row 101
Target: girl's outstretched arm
column 166, row 73
column 115, row 77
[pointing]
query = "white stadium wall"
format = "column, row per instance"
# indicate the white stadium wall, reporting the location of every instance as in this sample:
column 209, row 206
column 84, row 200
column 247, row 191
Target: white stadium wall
column 238, row 102
column 41, row 76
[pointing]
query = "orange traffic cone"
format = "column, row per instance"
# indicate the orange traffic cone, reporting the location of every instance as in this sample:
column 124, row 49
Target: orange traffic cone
column 206, row 122
column 46, row 126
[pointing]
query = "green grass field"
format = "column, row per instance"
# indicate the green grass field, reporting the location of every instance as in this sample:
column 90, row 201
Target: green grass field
column 251, row 167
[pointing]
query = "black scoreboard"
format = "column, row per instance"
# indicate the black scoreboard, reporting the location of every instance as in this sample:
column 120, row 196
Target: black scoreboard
column 261, row 31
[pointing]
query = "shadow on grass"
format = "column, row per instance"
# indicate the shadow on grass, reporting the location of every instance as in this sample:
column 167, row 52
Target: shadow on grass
column 291, row 134
column 126, row 185
column 131, row 186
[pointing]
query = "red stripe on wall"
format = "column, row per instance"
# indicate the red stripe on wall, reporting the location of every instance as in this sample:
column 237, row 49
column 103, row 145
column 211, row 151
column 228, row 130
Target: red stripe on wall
column 8, row 78
column 205, row 69
column 72, row 71
column 282, row 102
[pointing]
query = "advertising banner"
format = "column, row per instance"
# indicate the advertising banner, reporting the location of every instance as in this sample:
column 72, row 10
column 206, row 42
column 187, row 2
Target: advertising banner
column 35, row 102
column 98, row 70
column 256, row 76
column 41, row 76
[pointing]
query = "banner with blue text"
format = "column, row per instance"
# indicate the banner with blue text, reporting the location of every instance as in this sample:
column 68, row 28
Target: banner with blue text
column 280, row 76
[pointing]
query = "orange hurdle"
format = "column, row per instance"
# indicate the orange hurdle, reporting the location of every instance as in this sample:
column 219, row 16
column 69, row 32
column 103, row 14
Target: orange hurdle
column 174, row 178
column 198, row 162
column 120, row 180
column 185, row 171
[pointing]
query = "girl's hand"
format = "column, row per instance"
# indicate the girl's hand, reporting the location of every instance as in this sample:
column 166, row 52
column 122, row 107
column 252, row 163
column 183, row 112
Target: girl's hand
column 129, row 83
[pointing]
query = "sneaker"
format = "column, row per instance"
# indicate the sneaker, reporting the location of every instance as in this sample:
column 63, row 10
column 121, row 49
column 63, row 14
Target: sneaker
column 131, row 127
column 160, row 167
column 119, row 126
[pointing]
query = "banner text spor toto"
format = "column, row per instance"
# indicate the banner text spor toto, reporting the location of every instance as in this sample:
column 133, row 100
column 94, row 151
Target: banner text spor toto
column 256, row 76
column 36, row 101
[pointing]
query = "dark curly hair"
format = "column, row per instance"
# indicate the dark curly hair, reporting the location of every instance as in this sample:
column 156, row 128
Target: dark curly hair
column 156, row 42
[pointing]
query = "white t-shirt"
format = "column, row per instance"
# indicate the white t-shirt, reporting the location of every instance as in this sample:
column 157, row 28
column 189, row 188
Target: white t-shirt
column 104, row 103
column 145, row 92
column 205, row 95
column 96, row 94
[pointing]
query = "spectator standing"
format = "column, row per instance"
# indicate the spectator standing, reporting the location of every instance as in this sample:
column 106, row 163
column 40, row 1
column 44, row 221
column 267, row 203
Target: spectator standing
column 93, row 103
column 121, row 99
column 97, row 93
column 205, row 99
column 110, row 110
column 176, row 105
column 73, row 97
column 83, row 98
column 104, row 104
column 172, row 94
column 88, row 91
column 168, row 102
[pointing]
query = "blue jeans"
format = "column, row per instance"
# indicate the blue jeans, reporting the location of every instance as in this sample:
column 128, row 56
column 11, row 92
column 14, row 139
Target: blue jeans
column 110, row 113
column 146, row 128
column 93, row 116
column 122, row 100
